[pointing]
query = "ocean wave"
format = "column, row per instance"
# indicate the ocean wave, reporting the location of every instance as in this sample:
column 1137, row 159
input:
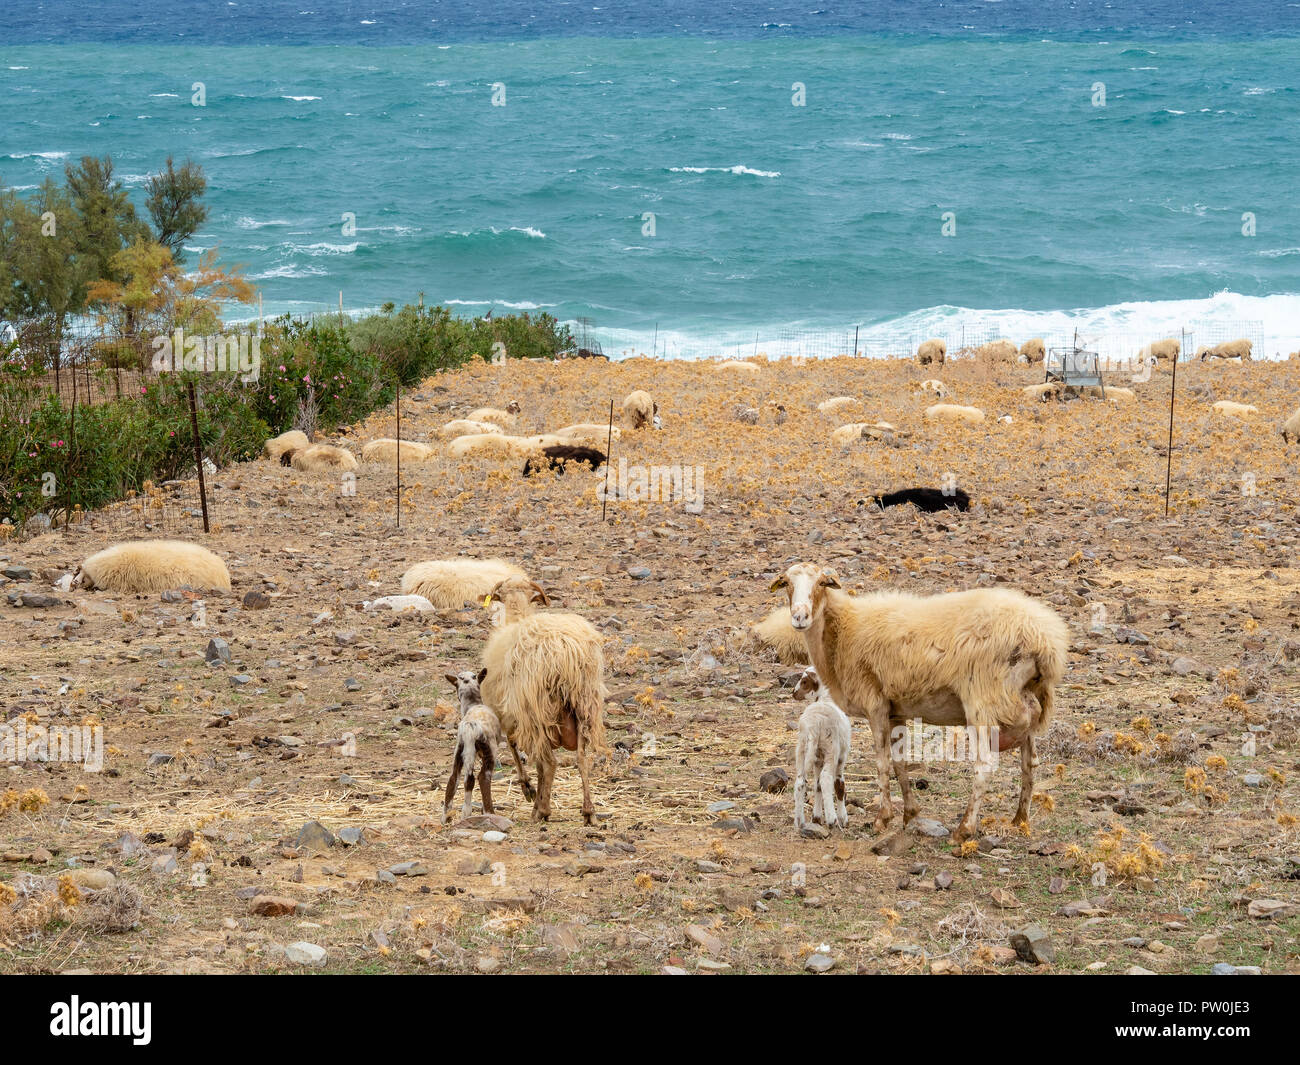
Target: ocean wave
column 246, row 222
column 321, row 248
column 528, row 231
column 517, row 305
column 299, row 99
column 724, row 170
column 47, row 156
column 290, row 270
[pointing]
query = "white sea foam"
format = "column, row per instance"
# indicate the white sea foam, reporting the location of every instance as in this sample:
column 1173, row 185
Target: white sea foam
column 724, row 170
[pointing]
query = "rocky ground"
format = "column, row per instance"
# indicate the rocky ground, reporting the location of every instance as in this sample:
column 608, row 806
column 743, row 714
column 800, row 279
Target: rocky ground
column 274, row 757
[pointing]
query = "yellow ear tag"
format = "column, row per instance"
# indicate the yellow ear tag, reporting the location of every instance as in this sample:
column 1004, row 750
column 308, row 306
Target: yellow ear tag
column 776, row 584
column 487, row 599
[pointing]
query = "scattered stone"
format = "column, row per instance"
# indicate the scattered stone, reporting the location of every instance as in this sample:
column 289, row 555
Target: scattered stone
column 1222, row 968
column 1137, row 970
column 1034, row 945
column 351, row 836
column 943, row 880
column 704, row 939
column 1269, row 909
column 305, row 954
column 314, row 837
column 812, row 830
column 927, row 826
column 1207, row 944
column 216, row 651
column 272, row 906
column 256, row 600
column 415, row 868
column 774, row 780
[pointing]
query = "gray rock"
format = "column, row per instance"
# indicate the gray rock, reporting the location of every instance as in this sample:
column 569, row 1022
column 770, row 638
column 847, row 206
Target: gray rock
column 350, row 836
column 216, row 651
column 774, row 780
column 718, row 807
column 811, row 830
column 240, row 679
column 17, row 573
column 256, row 601
column 1184, row 665
column 158, row 758
column 638, row 573
column 1032, row 944
column 1253, row 780
column 313, row 836
column 352, row 684
column 305, row 954
column 345, row 639
column 1222, row 968
column 415, row 868
column 928, row 827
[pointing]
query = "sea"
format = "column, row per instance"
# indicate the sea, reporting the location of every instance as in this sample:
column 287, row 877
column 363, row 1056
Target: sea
column 695, row 179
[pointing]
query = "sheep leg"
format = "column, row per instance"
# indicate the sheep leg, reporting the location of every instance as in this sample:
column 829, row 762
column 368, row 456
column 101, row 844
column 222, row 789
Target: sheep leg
column 451, row 785
column 524, row 782
column 485, row 788
column 468, row 808
column 545, row 774
column 1028, row 759
column 983, row 773
column 899, row 766
column 885, row 812
column 841, row 811
column 584, row 771
column 800, row 785
column 826, row 786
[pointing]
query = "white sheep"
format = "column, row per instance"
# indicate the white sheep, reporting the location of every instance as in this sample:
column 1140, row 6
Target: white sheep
column 935, row 387
column 1167, row 349
column 821, row 752
column 739, row 365
column 988, row 659
column 951, row 412
column 319, row 458
column 997, row 351
column 775, row 633
column 1042, row 393
column 1229, row 409
column 152, row 566
column 506, row 418
column 501, row 446
column 1229, row 349
column 931, row 351
column 465, row 427
column 639, row 409
column 588, row 433
column 479, row 739
column 398, row 604
column 385, row 450
column 293, row 440
column 451, row 583
column 837, row 403
column 1033, row 351
column 545, row 679
column 1291, row 428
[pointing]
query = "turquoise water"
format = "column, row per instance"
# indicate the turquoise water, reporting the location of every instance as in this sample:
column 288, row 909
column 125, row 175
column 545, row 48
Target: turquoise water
column 767, row 216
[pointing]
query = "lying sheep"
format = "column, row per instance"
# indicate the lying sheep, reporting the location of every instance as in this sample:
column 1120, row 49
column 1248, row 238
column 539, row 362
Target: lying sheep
column 1168, row 349
column 152, row 566
column 319, row 458
column 639, row 409
column 1120, row 395
column 935, row 387
column 558, row 456
column 932, row 351
column 1044, row 392
column 502, row 446
column 950, row 412
column 589, row 433
column 774, row 633
column 385, row 450
column 293, row 440
column 452, row 583
column 821, row 752
column 479, row 738
column 1235, row 410
column 465, row 427
column 1033, row 351
column 930, row 500
column 1291, row 428
column 837, row 403
column 738, row 364
column 506, row 418
column 1229, row 349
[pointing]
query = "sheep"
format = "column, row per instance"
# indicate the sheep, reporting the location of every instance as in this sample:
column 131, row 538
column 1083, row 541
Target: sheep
column 451, row 583
column 1168, row 349
column 465, row 427
column 1033, row 351
column 950, row 412
column 932, row 351
column 1235, row 410
column 502, row 446
column 1229, row 349
column 987, row 658
column 821, row 752
column 1042, row 393
column 738, row 364
column 936, row 387
column 847, row 434
column 930, row 500
column 545, row 678
column 318, row 458
column 1120, row 395
column 997, row 351
column 505, row 418
column 479, row 737
column 775, row 633
column 1291, row 428
column 837, row 403
column 398, row 604
column 558, row 456
column 639, row 409
column 293, row 440
column 385, row 450
column 589, row 433
column 152, row 566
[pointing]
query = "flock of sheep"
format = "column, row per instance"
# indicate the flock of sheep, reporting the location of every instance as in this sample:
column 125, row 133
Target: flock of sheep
column 984, row 659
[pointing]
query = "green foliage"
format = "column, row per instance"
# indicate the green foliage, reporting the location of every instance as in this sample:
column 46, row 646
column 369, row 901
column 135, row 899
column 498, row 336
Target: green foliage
column 175, row 204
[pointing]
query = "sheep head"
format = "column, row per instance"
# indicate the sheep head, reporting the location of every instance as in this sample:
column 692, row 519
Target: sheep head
column 808, row 684
column 805, row 585
column 519, row 596
column 513, row 407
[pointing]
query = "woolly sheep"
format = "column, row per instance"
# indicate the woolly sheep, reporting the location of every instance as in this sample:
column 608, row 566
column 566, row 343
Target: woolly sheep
column 738, row 364
column 504, row 418
column 1033, row 351
column 451, row 583
column 988, row 658
column 479, row 738
column 1120, row 395
column 385, row 450
column 847, row 434
column 588, row 433
column 152, row 566
column 293, row 440
column 932, row 351
column 997, row 351
column 559, row 456
column 837, row 403
column 1235, row 410
column 775, row 634
column 1291, row 428
column 501, row 446
column 545, row 678
column 950, row 412
column 1042, row 393
column 320, row 457
column 821, row 752
column 930, row 500
column 936, row 387
column 1166, row 349
column 639, row 409
column 465, row 427
column 1230, row 349
column 748, row 415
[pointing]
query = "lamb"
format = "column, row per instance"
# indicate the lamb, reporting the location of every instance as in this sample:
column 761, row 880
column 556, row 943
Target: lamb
column 1291, row 428
column 558, row 456
column 1168, row 349
column 465, row 427
column 152, row 566
column 545, row 677
column 639, row 409
column 1229, row 349
column 385, row 450
column 821, row 752
column 293, row 440
column 398, row 604
column 318, row 458
column 988, row 659
column 950, row 412
column 1235, row 410
column 1044, row 392
column 930, row 500
column 775, row 633
column 932, row 351
column 1033, row 351
column 837, row 403
column 478, row 738
column 505, row 418
column 936, row 387
column 451, row 583
column 997, row 351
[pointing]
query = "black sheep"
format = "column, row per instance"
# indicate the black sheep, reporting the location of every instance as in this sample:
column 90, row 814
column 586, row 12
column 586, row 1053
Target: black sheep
column 930, row 500
column 557, row 456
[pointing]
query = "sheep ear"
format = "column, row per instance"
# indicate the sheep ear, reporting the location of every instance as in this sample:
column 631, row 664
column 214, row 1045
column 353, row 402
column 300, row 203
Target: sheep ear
column 539, row 595
column 452, row 678
column 830, row 578
column 779, row 583
column 481, row 674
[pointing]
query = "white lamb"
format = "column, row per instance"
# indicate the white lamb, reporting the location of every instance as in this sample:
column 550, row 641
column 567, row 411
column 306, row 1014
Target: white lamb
column 822, row 753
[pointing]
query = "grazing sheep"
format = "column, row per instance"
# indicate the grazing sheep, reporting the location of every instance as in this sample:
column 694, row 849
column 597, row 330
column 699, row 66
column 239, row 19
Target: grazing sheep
column 318, row 458
column 152, row 566
column 1235, row 410
column 988, row 658
column 588, row 433
column 1033, row 351
column 950, row 412
column 821, row 752
column 1168, row 349
column 558, row 456
column 385, row 450
column 738, row 364
column 451, row 583
column 479, row 738
column 930, row 500
column 936, row 387
column 1291, row 428
column 398, row 604
column 1229, row 349
column 639, row 409
column 465, row 427
column 775, row 634
column 932, row 351
column 997, row 351
column 545, row 678
column 1042, row 393
column 293, row 440
column 505, row 418
column 837, row 403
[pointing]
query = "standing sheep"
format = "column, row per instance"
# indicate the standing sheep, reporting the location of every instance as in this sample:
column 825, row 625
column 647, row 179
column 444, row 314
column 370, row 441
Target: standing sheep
column 932, row 351
column 1291, row 428
column 821, row 752
column 988, row 659
column 478, row 739
column 639, row 409
column 1229, row 349
column 152, row 566
column 1168, row 349
column 997, row 351
column 546, row 680
column 1033, row 351
column 451, row 583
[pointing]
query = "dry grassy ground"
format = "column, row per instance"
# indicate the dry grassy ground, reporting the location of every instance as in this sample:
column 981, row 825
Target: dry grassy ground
column 1149, row 737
